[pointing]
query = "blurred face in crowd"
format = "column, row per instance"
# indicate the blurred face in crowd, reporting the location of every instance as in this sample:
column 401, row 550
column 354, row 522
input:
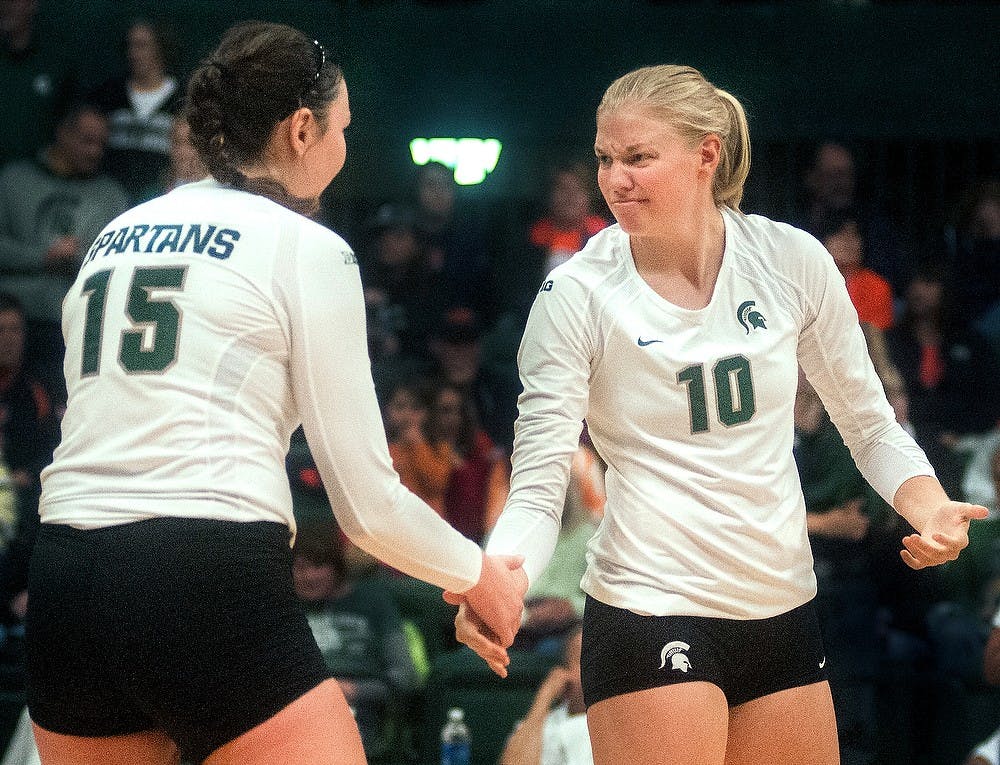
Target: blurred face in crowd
column 11, row 339
column 569, row 201
column 80, row 143
column 459, row 359
column 448, row 413
column 436, row 192
column 845, row 247
column 16, row 16
column 832, row 178
column 397, row 246
column 924, row 297
column 987, row 219
column 142, row 49
column 313, row 581
column 403, row 411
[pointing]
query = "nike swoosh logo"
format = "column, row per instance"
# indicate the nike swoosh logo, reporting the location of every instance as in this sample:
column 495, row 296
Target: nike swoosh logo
column 822, row 663
column 644, row 343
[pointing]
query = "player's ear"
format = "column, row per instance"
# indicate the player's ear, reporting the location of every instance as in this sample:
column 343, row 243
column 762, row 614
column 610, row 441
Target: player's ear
column 303, row 130
column 710, row 151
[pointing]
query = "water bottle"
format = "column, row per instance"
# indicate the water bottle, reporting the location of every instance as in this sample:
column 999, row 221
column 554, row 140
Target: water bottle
column 455, row 739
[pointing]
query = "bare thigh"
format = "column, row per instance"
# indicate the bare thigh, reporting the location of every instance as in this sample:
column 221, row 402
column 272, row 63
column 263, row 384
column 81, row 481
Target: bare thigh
column 683, row 724
column 147, row 748
column 796, row 725
column 317, row 728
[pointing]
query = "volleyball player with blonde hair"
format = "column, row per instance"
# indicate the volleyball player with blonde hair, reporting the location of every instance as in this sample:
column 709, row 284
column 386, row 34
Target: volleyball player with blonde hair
column 677, row 334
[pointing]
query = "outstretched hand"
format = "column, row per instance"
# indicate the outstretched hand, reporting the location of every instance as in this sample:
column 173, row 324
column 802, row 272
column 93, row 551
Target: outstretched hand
column 944, row 536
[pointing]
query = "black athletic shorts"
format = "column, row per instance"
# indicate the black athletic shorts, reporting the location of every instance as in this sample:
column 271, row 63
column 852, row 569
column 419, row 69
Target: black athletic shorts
column 187, row 626
column 624, row 652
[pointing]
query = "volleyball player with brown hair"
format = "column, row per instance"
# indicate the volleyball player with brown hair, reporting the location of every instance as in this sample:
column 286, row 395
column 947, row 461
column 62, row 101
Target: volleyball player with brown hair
column 203, row 327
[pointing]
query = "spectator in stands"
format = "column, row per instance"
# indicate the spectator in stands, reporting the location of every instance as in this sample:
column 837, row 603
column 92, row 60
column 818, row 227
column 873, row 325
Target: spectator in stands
column 554, row 732
column 977, row 482
column 455, row 243
column 140, row 106
column 51, row 209
column 869, row 292
column 950, row 374
column 28, row 421
column 830, row 186
column 476, row 462
column 402, row 294
column 456, row 347
column 569, row 220
column 29, row 431
column 424, row 466
column 36, row 79
column 974, row 254
column 988, row 752
column 839, row 516
column 959, row 626
column 358, row 629
column 872, row 298
column 892, row 379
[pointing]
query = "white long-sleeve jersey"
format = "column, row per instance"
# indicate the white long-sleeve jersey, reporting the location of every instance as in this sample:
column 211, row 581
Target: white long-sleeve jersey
column 203, row 327
column 692, row 411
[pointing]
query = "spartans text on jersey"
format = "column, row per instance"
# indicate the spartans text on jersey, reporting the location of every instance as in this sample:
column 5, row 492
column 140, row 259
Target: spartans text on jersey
column 166, row 237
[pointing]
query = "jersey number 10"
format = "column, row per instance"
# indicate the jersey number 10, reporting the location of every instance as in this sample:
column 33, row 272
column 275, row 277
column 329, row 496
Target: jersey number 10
column 158, row 316
column 733, row 392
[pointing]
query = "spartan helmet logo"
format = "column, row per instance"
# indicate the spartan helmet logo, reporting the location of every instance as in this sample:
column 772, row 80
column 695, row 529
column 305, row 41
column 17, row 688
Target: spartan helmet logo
column 749, row 318
column 674, row 651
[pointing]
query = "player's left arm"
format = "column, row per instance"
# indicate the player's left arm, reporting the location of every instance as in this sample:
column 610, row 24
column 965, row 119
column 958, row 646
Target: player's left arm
column 942, row 524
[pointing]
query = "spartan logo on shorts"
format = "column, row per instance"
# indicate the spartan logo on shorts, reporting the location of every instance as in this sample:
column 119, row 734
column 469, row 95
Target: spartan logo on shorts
column 674, row 651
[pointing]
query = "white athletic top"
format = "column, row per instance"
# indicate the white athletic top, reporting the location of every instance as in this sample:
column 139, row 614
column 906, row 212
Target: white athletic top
column 692, row 411
column 203, row 327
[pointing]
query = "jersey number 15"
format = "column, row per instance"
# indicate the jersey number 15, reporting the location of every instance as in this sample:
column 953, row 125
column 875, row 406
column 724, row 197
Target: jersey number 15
column 158, row 318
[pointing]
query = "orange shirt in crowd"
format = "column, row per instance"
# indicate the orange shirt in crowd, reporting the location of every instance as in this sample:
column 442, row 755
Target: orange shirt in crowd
column 424, row 469
column 872, row 297
column 545, row 234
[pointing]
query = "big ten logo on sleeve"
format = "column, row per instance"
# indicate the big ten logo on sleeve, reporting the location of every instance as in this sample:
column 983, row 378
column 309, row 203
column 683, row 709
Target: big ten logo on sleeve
column 197, row 238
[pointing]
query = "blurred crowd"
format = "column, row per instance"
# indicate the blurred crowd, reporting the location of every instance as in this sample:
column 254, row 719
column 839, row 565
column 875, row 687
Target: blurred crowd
column 446, row 301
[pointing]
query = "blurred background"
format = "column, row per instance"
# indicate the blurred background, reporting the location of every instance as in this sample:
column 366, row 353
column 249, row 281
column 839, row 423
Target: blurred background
column 913, row 85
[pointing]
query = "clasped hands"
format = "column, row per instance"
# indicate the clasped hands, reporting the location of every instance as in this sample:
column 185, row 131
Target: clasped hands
column 489, row 613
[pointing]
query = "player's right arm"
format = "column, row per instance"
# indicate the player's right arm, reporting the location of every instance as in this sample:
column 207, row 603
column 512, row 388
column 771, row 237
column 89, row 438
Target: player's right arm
column 554, row 363
column 319, row 288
